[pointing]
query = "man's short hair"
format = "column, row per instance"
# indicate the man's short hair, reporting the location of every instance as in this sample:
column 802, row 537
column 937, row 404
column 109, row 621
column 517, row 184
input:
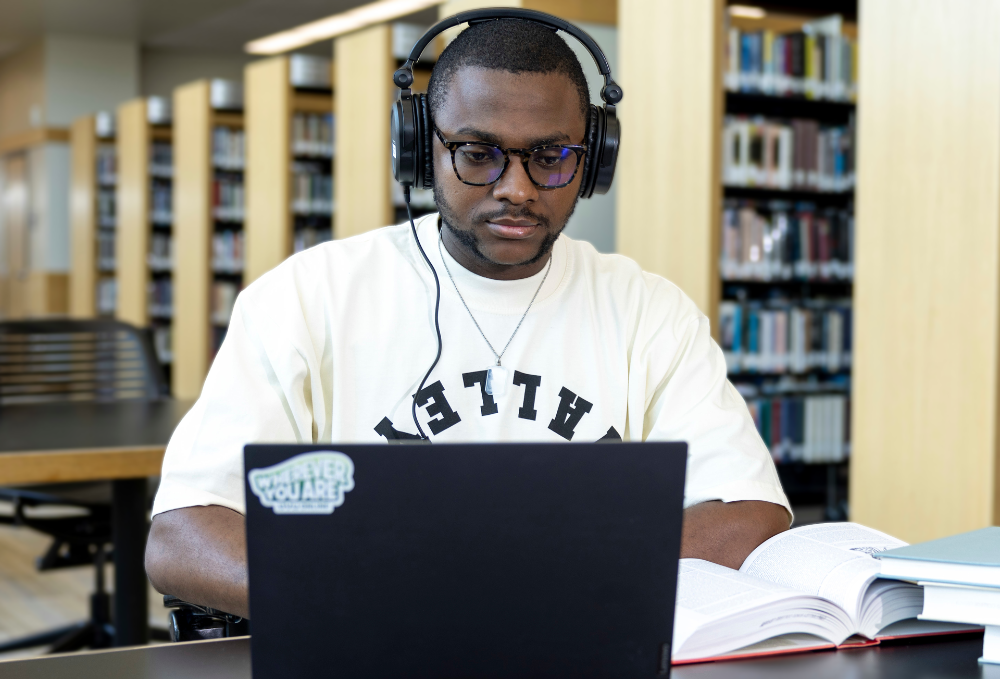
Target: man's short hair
column 512, row 45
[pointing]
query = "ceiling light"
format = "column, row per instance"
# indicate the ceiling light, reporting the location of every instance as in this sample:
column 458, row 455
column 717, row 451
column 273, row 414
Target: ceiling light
column 747, row 12
column 338, row 24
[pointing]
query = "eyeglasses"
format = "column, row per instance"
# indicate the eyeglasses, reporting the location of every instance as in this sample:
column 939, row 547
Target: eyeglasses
column 481, row 164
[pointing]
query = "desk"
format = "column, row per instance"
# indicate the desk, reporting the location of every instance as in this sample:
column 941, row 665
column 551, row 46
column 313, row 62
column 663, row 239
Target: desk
column 230, row 659
column 84, row 441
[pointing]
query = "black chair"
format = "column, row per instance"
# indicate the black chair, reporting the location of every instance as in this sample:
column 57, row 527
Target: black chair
column 47, row 361
column 191, row 622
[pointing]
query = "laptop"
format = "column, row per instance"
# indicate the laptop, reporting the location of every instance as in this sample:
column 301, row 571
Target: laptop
column 485, row 561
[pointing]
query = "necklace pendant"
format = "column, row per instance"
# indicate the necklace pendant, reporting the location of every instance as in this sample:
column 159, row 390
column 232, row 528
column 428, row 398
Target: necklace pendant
column 496, row 380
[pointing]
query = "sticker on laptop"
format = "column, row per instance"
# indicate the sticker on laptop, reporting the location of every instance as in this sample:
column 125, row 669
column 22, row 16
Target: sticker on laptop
column 310, row 483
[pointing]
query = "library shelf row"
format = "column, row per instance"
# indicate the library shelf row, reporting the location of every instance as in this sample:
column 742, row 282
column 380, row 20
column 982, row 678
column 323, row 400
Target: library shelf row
column 818, row 198
column 823, row 112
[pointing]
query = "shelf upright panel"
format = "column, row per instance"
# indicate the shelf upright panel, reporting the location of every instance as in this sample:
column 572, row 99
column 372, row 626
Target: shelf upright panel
column 285, row 96
column 193, row 227
column 926, row 456
column 364, row 64
column 132, row 235
column 83, row 219
column 144, row 237
column 207, row 205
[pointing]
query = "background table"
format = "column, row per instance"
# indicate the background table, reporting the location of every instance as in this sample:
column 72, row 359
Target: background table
column 230, row 659
column 122, row 442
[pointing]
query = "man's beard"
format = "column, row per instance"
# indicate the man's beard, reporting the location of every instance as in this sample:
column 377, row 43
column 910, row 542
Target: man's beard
column 470, row 240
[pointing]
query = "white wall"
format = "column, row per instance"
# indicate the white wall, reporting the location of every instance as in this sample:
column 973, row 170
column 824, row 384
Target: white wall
column 594, row 219
column 85, row 75
column 163, row 70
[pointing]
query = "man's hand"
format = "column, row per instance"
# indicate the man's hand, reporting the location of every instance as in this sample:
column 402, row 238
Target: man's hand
column 200, row 555
column 726, row 532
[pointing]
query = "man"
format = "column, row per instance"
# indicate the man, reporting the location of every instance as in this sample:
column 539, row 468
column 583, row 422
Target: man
column 332, row 344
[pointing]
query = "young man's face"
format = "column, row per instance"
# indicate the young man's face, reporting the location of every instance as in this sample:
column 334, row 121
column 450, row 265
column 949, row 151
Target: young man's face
column 505, row 230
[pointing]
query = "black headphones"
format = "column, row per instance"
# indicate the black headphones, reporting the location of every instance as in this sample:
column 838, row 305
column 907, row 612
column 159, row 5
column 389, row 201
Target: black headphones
column 412, row 130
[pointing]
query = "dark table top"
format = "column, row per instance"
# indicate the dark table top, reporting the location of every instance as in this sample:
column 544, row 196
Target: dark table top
column 942, row 658
column 85, row 424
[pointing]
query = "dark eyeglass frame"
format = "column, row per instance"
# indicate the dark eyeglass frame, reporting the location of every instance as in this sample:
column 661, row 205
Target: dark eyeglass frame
column 524, row 154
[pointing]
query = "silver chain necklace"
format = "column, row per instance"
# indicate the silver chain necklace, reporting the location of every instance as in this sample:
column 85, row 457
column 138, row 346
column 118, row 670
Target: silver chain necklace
column 496, row 376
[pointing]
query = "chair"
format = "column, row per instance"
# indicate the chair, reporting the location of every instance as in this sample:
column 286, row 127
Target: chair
column 191, row 622
column 46, row 361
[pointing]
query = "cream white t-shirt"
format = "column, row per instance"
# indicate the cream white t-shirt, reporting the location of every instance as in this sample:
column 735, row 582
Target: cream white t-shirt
column 329, row 346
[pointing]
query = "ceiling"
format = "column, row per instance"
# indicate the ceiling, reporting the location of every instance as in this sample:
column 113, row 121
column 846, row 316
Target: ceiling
column 206, row 26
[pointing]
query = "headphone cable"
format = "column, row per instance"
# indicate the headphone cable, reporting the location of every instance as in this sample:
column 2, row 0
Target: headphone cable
column 437, row 309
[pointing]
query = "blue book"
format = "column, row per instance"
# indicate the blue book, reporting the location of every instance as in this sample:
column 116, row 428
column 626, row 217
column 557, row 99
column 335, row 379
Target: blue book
column 967, row 559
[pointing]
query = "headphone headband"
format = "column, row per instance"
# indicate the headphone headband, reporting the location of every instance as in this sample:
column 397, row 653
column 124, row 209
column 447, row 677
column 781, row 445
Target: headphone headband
column 611, row 93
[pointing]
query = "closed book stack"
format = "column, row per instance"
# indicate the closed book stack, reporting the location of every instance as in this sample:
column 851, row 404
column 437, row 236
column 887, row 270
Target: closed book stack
column 960, row 575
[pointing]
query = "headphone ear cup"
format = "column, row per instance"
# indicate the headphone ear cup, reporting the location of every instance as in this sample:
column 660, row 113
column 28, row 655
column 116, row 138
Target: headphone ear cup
column 425, row 155
column 402, row 129
column 590, row 159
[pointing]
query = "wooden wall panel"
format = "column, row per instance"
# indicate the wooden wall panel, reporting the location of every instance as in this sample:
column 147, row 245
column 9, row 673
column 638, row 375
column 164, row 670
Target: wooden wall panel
column 669, row 190
column 132, row 232
column 363, row 67
column 83, row 219
column 192, row 237
column 925, row 403
column 268, row 108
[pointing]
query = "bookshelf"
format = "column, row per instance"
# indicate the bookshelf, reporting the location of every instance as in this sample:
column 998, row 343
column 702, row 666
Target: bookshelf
column 144, row 238
column 756, row 217
column 290, row 141
column 208, row 216
column 94, row 176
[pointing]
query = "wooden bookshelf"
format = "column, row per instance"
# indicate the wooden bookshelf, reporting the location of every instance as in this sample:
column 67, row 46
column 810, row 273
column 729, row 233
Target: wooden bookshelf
column 207, row 213
column 144, row 235
column 93, row 179
column 280, row 220
column 679, row 235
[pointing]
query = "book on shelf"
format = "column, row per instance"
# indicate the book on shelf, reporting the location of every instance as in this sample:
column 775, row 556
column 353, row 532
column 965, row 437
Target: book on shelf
column 312, row 189
column 106, row 208
column 107, row 165
column 308, row 236
column 161, row 252
column 227, row 251
column 107, row 296
column 223, row 301
column 105, row 250
column 816, row 62
column 161, row 160
column 797, row 155
column 309, row 71
column 226, row 95
column 785, row 337
column 809, row 428
column 313, row 135
column 228, row 148
column 808, row 588
column 776, row 240
column 161, row 211
column 160, row 298
column 163, row 343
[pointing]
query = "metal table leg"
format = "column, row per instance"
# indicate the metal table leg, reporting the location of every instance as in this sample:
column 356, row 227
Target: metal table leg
column 128, row 520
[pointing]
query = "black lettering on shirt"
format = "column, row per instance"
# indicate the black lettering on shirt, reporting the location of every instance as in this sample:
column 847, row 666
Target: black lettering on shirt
column 612, row 435
column 569, row 414
column 531, row 382
column 393, row 435
column 489, row 406
column 438, row 406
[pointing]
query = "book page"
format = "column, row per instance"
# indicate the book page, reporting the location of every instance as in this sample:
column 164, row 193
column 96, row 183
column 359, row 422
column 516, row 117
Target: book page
column 720, row 608
column 830, row 560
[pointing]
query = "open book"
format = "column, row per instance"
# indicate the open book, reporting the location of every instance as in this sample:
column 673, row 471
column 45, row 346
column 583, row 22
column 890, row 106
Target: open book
column 808, row 588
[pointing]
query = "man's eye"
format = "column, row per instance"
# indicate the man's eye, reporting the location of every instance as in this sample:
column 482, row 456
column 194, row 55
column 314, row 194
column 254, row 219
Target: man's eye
column 477, row 154
column 549, row 158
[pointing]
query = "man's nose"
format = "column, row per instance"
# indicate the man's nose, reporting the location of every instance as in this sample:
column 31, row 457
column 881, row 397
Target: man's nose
column 515, row 185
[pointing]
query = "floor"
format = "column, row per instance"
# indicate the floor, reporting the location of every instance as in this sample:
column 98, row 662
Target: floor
column 33, row 602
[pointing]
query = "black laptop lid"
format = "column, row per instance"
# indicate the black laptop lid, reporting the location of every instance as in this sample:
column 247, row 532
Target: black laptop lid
column 463, row 561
